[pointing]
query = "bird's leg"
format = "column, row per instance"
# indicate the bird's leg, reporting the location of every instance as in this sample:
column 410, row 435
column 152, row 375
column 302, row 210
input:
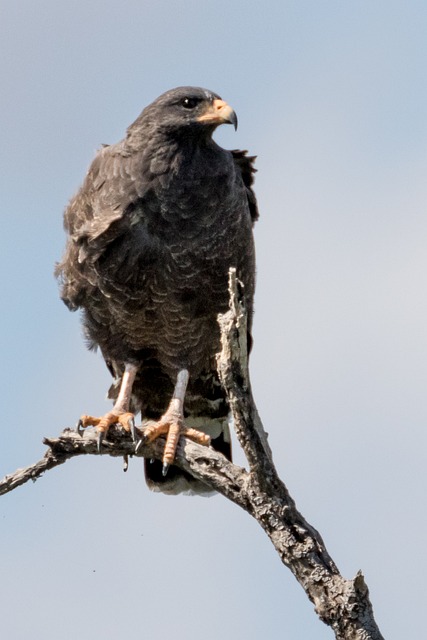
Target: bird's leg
column 120, row 412
column 172, row 423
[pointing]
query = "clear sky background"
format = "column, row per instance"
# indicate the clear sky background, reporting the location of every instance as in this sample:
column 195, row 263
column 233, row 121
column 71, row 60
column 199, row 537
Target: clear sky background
column 332, row 97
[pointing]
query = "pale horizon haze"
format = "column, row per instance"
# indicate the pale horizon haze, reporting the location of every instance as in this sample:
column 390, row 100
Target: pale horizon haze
column 331, row 97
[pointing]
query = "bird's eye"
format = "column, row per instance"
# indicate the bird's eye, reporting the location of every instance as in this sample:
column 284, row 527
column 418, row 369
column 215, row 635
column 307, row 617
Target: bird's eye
column 190, row 103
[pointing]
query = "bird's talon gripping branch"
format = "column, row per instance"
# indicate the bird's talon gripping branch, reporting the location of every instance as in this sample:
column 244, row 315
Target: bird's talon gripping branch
column 99, row 441
column 119, row 414
column 172, row 425
column 139, row 443
column 131, row 425
column 196, row 436
column 102, row 424
column 171, row 444
column 156, row 429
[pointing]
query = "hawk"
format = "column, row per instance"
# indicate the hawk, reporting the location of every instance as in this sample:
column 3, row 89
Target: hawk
column 151, row 235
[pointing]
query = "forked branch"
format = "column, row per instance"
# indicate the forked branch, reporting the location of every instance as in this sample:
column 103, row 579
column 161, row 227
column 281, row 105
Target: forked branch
column 342, row 604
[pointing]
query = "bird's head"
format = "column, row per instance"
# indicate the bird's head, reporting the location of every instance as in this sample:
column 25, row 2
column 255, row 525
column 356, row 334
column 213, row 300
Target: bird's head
column 186, row 111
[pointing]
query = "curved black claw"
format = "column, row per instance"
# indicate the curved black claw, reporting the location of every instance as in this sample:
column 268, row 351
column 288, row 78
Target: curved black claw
column 139, row 443
column 79, row 427
column 165, row 469
column 99, row 441
column 131, row 423
column 125, row 463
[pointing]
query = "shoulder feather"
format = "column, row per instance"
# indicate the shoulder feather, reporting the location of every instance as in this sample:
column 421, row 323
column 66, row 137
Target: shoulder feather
column 247, row 169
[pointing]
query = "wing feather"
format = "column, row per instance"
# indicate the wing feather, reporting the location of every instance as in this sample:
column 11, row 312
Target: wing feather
column 103, row 210
column 247, row 169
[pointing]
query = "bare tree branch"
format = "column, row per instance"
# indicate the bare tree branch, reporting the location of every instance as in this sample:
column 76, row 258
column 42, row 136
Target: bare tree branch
column 342, row 604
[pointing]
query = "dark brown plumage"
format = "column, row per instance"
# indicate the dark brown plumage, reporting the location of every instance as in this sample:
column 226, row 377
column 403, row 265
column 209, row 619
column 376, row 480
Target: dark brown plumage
column 152, row 233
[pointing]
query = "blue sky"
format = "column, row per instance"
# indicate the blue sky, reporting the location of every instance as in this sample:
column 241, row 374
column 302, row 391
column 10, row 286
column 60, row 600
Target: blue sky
column 332, row 98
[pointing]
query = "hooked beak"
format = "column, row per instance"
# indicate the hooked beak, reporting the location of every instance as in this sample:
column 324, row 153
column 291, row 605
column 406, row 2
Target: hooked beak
column 219, row 112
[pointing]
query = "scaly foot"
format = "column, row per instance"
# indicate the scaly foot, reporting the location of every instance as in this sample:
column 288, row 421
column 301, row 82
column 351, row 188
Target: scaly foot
column 172, row 425
column 103, row 423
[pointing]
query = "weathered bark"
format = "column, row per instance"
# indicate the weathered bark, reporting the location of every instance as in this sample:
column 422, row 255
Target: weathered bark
column 342, row 604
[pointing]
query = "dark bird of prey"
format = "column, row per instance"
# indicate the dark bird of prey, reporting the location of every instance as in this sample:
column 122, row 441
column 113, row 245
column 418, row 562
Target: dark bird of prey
column 151, row 235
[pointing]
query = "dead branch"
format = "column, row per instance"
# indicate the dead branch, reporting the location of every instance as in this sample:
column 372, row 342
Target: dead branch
column 342, row 604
